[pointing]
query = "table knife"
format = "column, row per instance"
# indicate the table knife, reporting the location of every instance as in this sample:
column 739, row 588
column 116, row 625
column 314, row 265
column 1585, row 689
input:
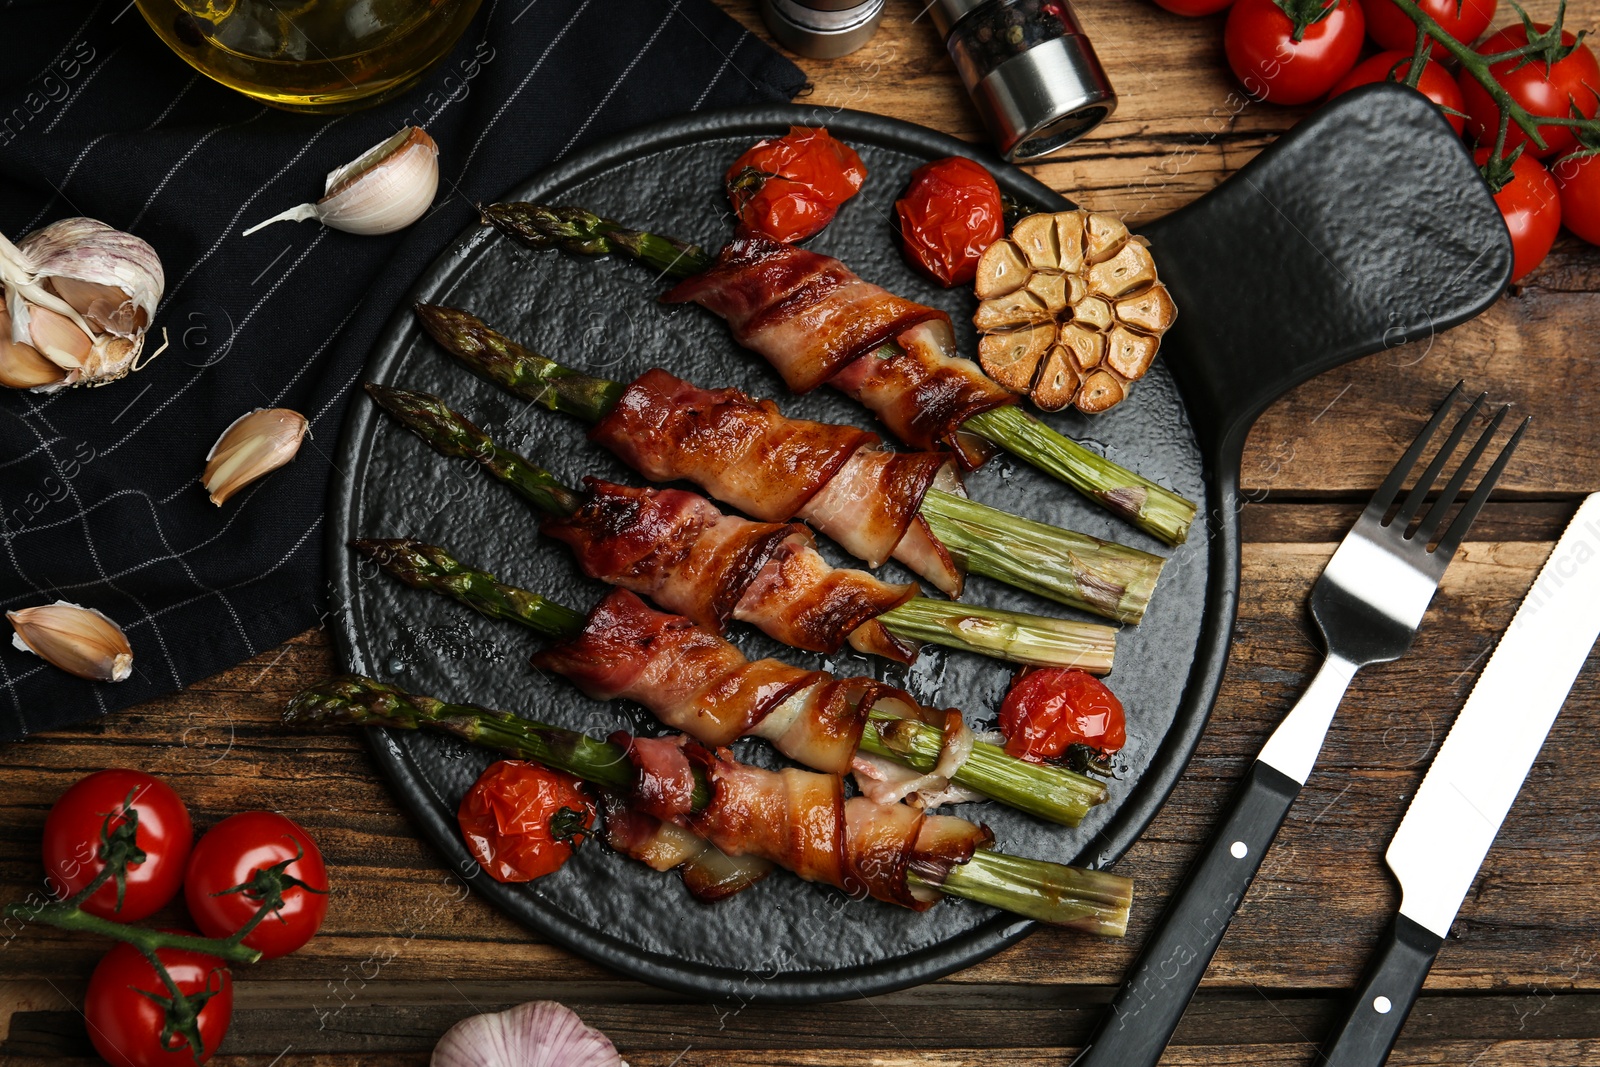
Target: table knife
column 1472, row 783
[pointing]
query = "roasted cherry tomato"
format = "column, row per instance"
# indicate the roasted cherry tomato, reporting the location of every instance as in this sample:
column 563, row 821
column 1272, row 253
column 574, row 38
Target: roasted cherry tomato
column 1465, row 20
column 1194, row 8
column 1435, row 83
column 89, row 817
column 951, row 212
column 1579, row 182
column 126, row 1007
column 1552, row 84
column 1531, row 205
column 1295, row 53
column 522, row 821
column 1051, row 709
column 224, row 888
column 788, row 188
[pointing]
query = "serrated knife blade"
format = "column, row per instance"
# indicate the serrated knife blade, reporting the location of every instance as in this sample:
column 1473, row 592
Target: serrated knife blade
column 1479, row 769
column 1472, row 783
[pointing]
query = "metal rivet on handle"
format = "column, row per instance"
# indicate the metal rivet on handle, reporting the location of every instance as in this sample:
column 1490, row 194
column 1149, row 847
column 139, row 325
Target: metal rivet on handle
column 1239, row 850
column 1381, row 1005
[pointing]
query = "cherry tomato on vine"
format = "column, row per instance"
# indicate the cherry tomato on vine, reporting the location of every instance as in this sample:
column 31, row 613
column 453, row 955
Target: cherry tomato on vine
column 1571, row 81
column 522, row 821
column 950, row 213
column 1435, row 83
column 77, row 833
column 1531, row 205
column 1272, row 64
column 1048, row 710
column 1579, row 183
column 125, row 1024
column 1193, row 8
column 788, row 188
column 1392, row 28
column 232, row 854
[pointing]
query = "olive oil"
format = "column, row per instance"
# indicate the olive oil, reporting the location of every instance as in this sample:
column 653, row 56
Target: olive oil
column 311, row 55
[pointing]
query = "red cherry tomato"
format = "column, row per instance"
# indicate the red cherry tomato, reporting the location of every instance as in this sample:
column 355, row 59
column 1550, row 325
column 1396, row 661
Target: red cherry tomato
column 1435, row 83
column 230, row 855
column 74, row 842
column 1579, row 182
column 522, row 821
column 1049, row 710
column 1392, row 28
column 125, row 1025
column 1531, row 205
column 1272, row 65
column 1570, row 82
column 1194, row 8
column 788, row 188
column 951, row 212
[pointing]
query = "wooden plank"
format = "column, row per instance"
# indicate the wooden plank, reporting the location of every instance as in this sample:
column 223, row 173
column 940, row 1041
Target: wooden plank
column 1321, row 899
column 998, row 1020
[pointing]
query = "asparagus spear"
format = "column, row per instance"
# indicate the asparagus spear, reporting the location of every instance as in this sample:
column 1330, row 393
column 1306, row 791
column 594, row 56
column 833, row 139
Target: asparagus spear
column 1035, row 640
column 1092, row 901
column 1151, row 507
column 1077, row 570
column 1045, row 791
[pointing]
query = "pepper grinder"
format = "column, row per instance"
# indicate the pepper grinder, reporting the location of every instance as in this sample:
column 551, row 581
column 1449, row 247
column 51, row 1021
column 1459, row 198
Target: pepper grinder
column 1030, row 70
column 822, row 29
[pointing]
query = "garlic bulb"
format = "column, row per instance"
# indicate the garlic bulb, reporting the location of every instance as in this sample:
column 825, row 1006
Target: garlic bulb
column 76, row 639
column 79, row 296
column 386, row 188
column 540, row 1033
column 253, row 446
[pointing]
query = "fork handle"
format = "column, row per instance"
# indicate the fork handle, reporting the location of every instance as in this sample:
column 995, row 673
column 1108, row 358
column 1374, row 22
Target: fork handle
column 1152, row 999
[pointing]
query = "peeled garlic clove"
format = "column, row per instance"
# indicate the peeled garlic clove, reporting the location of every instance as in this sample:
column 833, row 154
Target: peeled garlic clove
column 21, row 365
column 78, row 640
column 254, row 446
column 81, row 294
column 386, row 188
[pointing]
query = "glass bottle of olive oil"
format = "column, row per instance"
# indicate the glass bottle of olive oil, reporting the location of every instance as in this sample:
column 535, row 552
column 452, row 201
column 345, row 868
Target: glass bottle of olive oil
column 311, row 55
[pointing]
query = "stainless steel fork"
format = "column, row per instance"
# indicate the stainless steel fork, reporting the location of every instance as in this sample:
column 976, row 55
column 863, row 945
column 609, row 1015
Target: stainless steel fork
column 1368, row 603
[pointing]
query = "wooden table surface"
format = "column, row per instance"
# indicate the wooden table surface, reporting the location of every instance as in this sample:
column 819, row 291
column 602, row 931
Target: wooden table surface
column 406, row 951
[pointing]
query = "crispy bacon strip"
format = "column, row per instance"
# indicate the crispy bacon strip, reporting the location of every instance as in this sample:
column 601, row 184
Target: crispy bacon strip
column 695, row 681
column 816, row 321
column 676, row 548
column 807, row 314
column 708, row 872
column 746, row 453
column 801, row 821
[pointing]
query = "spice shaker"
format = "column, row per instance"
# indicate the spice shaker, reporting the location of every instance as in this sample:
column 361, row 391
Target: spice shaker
column 1030, row 70
column 822, row 29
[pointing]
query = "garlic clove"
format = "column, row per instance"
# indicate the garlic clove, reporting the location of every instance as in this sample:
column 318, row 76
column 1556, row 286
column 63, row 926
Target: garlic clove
column 386, row 188
column 252, row 447
column 57, row 339
column 21, row 365
column 105, row 306
column 76, row 639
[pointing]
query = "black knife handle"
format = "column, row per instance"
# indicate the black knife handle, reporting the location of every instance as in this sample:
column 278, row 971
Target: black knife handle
column 1385, row 998
column 1155, row 993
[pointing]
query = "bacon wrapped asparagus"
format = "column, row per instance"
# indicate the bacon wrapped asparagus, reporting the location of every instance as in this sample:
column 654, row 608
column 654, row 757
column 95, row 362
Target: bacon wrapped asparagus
column 799, row 820
column 817, row 321
column 677, row 549
column 695, row 681
column 873, row 502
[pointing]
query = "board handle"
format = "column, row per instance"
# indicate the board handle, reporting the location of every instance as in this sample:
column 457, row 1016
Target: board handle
column 1365, row 227
column 1162, row 981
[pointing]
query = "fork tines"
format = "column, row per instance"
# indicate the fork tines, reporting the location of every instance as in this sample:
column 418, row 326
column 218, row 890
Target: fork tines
column 1429, row 526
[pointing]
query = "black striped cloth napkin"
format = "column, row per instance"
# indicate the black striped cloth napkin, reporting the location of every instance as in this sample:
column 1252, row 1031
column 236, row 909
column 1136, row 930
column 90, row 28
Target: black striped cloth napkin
column 99, row 499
